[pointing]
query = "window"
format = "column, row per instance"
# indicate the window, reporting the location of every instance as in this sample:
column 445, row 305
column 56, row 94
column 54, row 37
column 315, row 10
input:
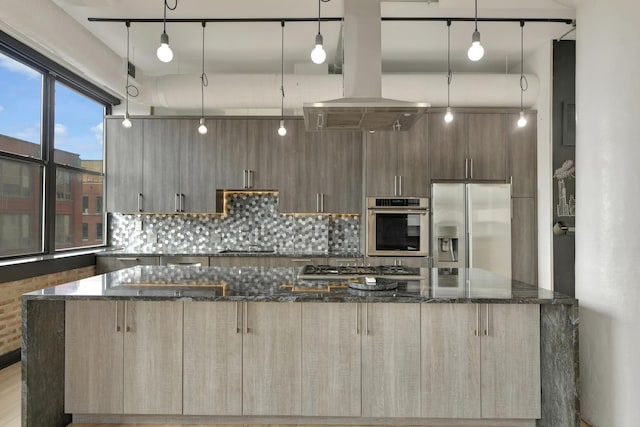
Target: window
column 99, row 231
column 85, row 231
column 69, row 125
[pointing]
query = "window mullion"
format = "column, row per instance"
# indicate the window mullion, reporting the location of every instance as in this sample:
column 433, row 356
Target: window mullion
column 48, row 127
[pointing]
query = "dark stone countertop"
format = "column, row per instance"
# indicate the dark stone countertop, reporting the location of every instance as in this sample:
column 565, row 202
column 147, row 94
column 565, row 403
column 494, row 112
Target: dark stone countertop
column 283, row 284
column 214, row 252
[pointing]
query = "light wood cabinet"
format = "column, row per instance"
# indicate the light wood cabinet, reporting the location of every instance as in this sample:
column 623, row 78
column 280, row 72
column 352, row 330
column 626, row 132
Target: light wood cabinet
column 522, row 155
column 271, row 359
column 123, row 165
column 524, row 238
column 230, row 166
column 212, row 358
column 323, row 172
column 391, row 360
column 123, row 357
column 331, row 359
column 397, row 163
column 415, row 262
column 93, row 357
column 471, row 147
column 197, row 174
column 107, row 264
column 481, row 361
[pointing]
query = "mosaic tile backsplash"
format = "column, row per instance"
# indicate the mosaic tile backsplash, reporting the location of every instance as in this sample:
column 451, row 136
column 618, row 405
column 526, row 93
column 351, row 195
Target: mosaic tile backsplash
column 252, row 222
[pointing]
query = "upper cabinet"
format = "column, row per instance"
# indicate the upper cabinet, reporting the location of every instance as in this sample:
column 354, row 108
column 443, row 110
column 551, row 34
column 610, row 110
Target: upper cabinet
column 397, row 163
column 320, row 171
column 522, row 149
column 123, row 166
column 471, row 147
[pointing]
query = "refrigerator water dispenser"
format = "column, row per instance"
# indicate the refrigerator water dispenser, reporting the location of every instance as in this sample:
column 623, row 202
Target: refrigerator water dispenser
column 448, row 244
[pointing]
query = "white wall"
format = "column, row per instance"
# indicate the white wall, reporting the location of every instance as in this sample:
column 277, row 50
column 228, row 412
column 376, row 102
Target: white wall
column 541, row 64
column 607, row 206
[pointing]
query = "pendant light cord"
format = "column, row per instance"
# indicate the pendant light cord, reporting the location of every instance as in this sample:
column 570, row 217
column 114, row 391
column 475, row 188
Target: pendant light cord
column 524, row 84
column 476, row 19
column 166, row 6
column 319, row 2
column 282, row 71
column 204, row 80
column 130, row 90
column 449, row 76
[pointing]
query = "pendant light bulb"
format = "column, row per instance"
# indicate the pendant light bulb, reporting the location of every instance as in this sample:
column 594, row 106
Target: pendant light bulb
column 282, row 131
column 318, row 55
column 164, row 52
column 448, row 117
column 476, row 51
column 202, row 129
column 522, row 121
column 126, row 123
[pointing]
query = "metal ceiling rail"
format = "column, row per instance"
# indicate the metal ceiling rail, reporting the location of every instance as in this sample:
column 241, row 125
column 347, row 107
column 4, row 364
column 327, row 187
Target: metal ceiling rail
column 279, row 20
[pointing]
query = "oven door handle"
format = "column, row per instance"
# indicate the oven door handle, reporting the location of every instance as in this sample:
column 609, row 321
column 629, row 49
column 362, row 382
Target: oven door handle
column 399, row 211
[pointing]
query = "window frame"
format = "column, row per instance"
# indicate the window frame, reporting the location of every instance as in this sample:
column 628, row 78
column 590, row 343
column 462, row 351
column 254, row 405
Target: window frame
column 52, row 72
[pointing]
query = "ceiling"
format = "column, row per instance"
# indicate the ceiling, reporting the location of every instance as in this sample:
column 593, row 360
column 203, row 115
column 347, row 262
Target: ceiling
column 255, row 48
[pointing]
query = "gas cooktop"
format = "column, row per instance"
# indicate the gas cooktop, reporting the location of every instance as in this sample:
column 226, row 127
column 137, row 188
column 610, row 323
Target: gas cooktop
column 322, row 270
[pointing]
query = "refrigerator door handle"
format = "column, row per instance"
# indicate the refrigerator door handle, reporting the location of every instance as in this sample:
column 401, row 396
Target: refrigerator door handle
column 466, row 168
column 469, row 222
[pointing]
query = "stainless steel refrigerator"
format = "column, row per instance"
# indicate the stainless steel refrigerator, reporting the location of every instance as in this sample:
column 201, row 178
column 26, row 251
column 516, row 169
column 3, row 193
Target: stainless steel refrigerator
column 471, row 226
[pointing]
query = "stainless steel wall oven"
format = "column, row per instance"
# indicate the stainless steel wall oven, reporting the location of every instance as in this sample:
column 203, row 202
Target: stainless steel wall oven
column 397, row 226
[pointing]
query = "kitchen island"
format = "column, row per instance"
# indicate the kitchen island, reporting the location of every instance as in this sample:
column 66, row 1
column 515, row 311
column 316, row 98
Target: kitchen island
column 248, row 345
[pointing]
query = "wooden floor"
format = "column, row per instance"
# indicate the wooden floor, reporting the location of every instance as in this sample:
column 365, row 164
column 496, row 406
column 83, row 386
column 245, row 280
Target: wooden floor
column 10, row 402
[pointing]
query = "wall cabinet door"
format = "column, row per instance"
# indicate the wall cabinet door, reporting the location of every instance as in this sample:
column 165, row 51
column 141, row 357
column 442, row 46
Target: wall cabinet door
column 212, row 359
column 163, row 142
column 93, row 357
column 397, row 163
column 153, row 357
column 510, row 361
column 271, row 361
column 524, row 237
column 197, row 173
column 123, row 166
column 391, row 360
column 331, row 357
column 486, row 146
column 448, row 147
column 522, row 160
column 266, row 152
column 339, row 181
column 230, row 167
column 450, row 361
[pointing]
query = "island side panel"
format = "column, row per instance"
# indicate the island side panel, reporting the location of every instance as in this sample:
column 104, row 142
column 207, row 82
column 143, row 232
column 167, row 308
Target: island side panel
column 559, row 365
column 43, row 364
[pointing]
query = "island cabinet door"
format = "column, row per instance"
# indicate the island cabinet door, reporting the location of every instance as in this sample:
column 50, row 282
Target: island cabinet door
column 153, row 357
column 271, row 380
column 212, row 358
column 331, row 359
column 391, row 360
column 93, row 357
column 450, row 361
column 510, row 361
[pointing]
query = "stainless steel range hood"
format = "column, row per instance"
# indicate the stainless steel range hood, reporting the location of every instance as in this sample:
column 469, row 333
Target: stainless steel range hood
column 363, row 107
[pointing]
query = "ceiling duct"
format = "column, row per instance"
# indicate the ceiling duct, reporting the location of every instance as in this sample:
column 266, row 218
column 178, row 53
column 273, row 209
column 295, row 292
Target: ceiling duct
column 362, row 107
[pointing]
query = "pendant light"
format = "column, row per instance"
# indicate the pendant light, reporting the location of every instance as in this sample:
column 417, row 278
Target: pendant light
column 448, row 117
column 524, row 84
column 476, row 51
column 282, row 131
column 204, row 81
column 164, row 52
column 318, row 55
column 126, row 122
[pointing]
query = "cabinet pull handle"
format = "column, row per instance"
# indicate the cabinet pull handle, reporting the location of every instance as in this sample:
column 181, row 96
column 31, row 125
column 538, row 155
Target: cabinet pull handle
column 245, row 312
column 244, row 178
column 317, row 202
column 471, row 166
column 511, row 185
column 139, row 202
column 182, row 202
column 366, row 318
column 466, row 168
column 399, row 185
column 357, row 319
column 321, row 202
column 477, row 329
column 249, row 178
column 395, row 185
column 127, row 259
column 116, row 321
column 127, row 328
column 237, row 325
column 177, row 202
column 486, row 330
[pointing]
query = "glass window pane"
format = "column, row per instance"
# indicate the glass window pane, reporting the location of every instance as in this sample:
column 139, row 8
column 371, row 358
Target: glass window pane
column 20, row 108
column 78, row 133
column 75, row 217
column 20, row 208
